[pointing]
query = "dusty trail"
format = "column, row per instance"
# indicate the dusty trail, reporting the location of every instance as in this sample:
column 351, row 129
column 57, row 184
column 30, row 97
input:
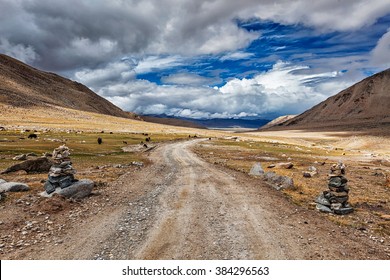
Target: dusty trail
column 181, row 207
column 206, row 213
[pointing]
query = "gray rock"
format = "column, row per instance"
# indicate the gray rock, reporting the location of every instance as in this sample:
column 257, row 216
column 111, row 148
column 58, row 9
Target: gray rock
column 58, row 182
column 322, row 200
column 38, row 165
column 312, row 169
column 137, row 163
column 77, row 190
column 278, row 182
column 66, row 181
column 334, row 182
column 20, row 157
column 256, row 170
column 323, row 208
column 2, row 181
column 336, row 206
column 65, row 164
column 343, row 210
column 13, row 187
column 337, row 181
column 339, row 189
column 327, row 194
column 54, row 179
column 55, row 171
column 309, row 174
column 286, row 165
column 49, row 187
column 338, row 199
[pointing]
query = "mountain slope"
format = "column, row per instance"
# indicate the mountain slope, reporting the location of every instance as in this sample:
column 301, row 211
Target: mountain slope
column 278, row 121
column 366, row 103
column 24, row 86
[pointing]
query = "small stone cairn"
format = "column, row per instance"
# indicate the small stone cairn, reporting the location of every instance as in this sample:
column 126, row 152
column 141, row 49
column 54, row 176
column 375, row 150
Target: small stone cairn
column 335, row 200
column 61, row 173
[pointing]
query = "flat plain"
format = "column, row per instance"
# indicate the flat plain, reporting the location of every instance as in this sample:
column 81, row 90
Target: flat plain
column 190, row 197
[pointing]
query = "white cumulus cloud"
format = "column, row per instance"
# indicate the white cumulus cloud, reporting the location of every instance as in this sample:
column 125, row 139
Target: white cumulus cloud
column 185, row 78
column 285, row 89
column 380, row 55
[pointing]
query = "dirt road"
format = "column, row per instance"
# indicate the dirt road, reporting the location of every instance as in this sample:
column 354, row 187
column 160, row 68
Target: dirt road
column 181, row 207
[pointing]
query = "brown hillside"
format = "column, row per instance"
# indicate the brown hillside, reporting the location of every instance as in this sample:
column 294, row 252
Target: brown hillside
column 278, row 121
column 24, row 86
column 367, row 103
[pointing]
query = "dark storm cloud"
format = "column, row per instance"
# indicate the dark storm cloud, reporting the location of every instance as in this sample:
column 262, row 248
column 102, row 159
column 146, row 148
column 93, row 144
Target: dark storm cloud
column 67, row 34
column 202, row 58
column 70, row 34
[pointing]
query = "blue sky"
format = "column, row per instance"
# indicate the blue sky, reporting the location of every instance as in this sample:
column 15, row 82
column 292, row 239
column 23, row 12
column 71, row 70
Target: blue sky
column 206, row 58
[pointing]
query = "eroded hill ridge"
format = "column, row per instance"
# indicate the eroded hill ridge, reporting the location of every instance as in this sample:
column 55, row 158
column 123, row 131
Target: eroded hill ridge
column 365, row 103
column 24, row 86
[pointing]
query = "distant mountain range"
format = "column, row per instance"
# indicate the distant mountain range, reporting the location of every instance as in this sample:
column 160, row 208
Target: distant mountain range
column 363, row 105
column 163, row 119
column 24, row 86
column 216, row 123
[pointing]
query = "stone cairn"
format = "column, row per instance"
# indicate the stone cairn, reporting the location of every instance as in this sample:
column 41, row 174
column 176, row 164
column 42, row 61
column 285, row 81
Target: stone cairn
column 335, row 200
column 61, row 173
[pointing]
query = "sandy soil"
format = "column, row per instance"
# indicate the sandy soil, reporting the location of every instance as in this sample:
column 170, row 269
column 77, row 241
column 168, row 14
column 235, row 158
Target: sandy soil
column 181, row 207
column 359, row 144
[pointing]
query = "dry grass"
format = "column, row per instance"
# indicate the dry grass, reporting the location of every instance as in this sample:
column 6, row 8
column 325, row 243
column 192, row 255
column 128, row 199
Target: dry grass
column 79, row 131
column 102, row 163
column 369, row 193
column 367, row 157
column 63, row 119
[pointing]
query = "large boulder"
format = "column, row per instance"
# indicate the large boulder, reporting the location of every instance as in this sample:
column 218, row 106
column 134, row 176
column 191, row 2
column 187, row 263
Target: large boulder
column 39, row 165
column 13, row 187
column 77, row 190
column 279, row 182
column 256, row 170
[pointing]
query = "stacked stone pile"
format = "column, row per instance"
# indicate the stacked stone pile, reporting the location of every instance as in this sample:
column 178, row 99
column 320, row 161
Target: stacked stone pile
column 61, row 173
column 335, row 200
column 61, row 178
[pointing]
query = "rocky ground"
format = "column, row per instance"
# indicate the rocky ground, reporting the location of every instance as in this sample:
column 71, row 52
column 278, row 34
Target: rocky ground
column 178, row 207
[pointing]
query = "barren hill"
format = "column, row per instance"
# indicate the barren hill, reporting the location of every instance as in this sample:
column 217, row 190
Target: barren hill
column 278, row 121
column 24, row 86
column 367, row 103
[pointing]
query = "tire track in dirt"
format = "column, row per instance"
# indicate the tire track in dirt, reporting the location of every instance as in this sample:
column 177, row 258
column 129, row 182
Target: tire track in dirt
column 206, row 213
column 182, row 207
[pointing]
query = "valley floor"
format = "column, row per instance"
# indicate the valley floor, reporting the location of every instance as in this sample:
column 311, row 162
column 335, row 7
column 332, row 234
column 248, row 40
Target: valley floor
column 181, row 207
column 192, row 199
